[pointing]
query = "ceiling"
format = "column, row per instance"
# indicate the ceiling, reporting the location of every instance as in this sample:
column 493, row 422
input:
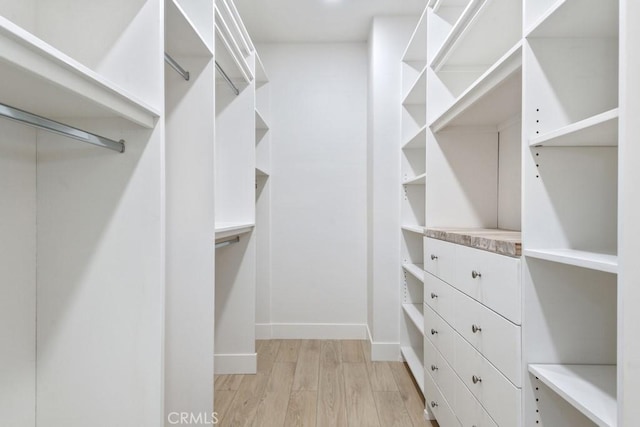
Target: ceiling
column 318, row 21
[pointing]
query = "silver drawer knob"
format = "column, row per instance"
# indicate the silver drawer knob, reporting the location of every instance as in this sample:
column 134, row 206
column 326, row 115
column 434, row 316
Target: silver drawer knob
column 433, row 257
column 475, row 274
column 434, row 368
column 433, row 295
column 476, row 379
column 433, row 332
column 475, row 328
column 433, row 404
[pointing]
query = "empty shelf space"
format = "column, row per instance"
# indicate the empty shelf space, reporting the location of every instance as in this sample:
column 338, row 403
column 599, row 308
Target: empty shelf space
column 418, row 229
column 417, row 47
column 42, row 80
column 503, row 242
column 419, row 140
column 591, row 389
column 599, row 130
column 416, row 270
column 181, row 36
column 229, row 229
column 592, row 260
column 415, row 365
column 261, row 171
column 492, row 99
column 414, row 311
column 418, row 180
column 577, row 18
column 418, row 93
column 260, row 122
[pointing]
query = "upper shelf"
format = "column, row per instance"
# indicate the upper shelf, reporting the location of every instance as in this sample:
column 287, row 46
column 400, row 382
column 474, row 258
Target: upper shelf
column 260, row 122
column 503, row 242
column 229, row 53
column 224, row 230
column 261, row 72
column 417, row 94
column 592, row 260
column 485, row 30
column 416, row 50
column 417, row 180
column 493, row 98
column 419, row 140
column 181, row 36
column 599, row 130
column 577, row 18
column 42, row 80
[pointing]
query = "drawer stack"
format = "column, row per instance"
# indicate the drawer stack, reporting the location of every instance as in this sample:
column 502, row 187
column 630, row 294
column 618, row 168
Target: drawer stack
column 472, row 316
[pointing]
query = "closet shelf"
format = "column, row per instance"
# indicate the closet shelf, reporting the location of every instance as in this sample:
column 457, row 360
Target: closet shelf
column 416, row 50
column 230, row 229
column 503, row 242
column 571, row 18
column 592, row 260
column 418, row 229
column 437, row 4
column 261, row 172
column 591, row 389
column 483, row 32
column 419, row 140
column 414, row 311
column 228, row 53
column 415, row 365
column 417, row 95
column 44, row 81
column 260, row 122
column 494, row 98
column 181, row 36
column 599, row 130
column 416, row 270
column 418, row 180
column 261, row 73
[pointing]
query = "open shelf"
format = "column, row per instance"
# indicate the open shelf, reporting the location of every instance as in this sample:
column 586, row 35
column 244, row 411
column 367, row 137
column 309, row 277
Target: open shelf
column 416, row 50
column 483, row 33
column 492, row 99
column 417, row 95
column 415, row 365
column 414, row 311
column 592, row 260
column 416, row 270
column 419, row 140
column 260, row 122
column 181, row 36
column 229, row 54
column 228, row 229
column 414, row 229
column 42, row 80
column 418, row 180
column 577, row 18
column 591, row 389
column 599, row 130
column 261, row 73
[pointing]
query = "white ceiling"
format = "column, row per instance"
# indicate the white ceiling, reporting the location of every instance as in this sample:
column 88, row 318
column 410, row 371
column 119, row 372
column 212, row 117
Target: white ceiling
column 314, row 21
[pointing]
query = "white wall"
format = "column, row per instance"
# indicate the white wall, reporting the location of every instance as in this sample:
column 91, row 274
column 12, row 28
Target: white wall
column 387, row 41
column 319, row 126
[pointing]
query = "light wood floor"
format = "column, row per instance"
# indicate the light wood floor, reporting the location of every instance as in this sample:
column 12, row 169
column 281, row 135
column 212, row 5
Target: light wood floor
column 319, row 383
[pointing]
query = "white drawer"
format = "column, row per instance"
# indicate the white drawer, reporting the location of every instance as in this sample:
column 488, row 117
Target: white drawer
column 442, row 335
column 437, row 404
column 431, row 359
column 491, row 279
column 494, row 391
column 439, row 258
column 469, row 411
column 439, row 296
column 495, row 337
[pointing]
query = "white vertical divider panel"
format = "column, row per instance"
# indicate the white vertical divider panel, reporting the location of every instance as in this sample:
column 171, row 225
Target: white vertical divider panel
column 17, row 274
column 189, row 105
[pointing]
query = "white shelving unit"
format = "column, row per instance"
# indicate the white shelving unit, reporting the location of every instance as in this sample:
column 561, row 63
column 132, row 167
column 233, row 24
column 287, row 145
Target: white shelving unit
column 417, row 270
column 594, row 261
column 414, row 311
column 597, row 131
column 414, row 360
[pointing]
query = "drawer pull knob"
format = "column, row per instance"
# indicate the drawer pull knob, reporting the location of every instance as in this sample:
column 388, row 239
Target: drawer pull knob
column 476, row 379
column 433, row 404
column 434, row 368
column 475, row 274
column 433, row 257
column 433, row 295
column 475, row 328
column 433, row 332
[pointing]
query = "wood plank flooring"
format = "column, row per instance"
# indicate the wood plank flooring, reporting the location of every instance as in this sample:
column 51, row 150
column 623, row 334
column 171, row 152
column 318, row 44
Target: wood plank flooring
column 313, row 383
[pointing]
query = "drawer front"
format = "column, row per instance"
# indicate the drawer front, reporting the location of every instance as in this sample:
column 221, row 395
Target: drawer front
column 431, row 360
column 439, row 258
column 495, row 337
column 491, row 279
column 496, row 394
column 438, row 406
column 469, row 411
column 439, row 296
column 442, row 335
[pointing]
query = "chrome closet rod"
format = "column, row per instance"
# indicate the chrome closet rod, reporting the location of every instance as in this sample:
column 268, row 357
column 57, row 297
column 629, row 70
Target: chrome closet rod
column 227, row 79
column 40, row 122
column 227, row 242
column 172, row 62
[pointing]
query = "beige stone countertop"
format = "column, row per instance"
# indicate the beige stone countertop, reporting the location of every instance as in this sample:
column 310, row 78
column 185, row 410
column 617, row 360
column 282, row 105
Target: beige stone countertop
column 503, row 242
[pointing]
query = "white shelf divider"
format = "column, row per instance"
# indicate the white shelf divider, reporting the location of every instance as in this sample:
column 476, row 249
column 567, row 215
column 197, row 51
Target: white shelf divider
column 416, row 270
column 418, row 180
column 591, row 389
column 415, row 365
column 417, row 95
column 599, row 130
column 592, row 260
column 419, row 140
column 224, row 230
column 418, row 229
column 414, row 311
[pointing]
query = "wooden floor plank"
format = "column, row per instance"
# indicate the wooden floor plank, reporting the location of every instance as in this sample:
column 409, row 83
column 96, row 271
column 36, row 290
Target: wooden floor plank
column 245, row 403
column 391, row 409
column 272, row 408
column 413, row 400
column 222, row 401
column 331, row 397
column 361, row 408
column 302, row 409
column 306, row 376
column 288, row 351
column 380, row 373
column 352, row 351
column 227, row 382
column 267, row 353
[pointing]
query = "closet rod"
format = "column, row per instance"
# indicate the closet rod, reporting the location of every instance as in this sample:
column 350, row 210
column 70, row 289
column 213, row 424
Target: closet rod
column 59, row 128
column 172, row 62
column 227, row 79
column 228, row 242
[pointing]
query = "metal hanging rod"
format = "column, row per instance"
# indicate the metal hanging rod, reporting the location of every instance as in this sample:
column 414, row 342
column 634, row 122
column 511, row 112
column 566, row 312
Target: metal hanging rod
column 227, row 79
column 172, row 62
column 227, row 242
column 40, row 122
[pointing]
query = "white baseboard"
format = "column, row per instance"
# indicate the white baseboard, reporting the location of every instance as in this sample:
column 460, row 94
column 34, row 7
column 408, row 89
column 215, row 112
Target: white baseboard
column 264, row 331
column 311, row 331
column 224, row 364
column 384, row 351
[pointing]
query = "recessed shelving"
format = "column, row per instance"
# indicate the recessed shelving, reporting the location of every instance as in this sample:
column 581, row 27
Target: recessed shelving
column 229, row 229
column 415, row 365
column 184, row 40
column 418, row 180
column 419, row 140
column 416, row 270
column 416, row 49
column 592, row 260
column 418, row 93
column 414, row 311
column 46, row 82
column 577, row 18
column 261, row 124
column 599, row 130
column 591, row 389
